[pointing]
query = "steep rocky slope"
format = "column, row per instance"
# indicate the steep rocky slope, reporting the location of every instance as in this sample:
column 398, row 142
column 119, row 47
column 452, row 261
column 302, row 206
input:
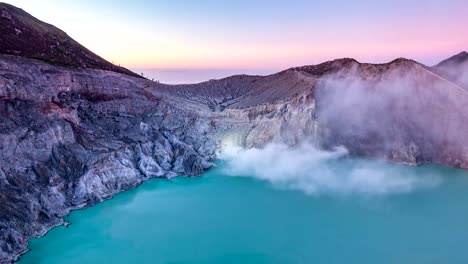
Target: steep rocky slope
column 26, row 36
column 74, row 134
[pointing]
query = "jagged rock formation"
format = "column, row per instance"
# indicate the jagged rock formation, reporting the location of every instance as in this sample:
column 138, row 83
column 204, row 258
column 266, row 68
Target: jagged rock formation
column 73, row 136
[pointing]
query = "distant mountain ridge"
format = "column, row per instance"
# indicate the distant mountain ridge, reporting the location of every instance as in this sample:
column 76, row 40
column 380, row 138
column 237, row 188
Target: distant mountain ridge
column 461, row 57
column 26, row 36
column 454, row 69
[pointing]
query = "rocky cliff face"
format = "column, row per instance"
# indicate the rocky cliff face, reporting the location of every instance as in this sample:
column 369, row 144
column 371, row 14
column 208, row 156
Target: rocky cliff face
column 71, row 137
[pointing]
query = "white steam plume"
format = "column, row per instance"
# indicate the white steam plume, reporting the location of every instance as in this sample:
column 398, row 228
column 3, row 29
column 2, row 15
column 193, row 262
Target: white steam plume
column 320, row 172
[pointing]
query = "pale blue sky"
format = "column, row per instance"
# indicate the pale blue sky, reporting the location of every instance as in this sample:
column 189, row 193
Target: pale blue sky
column 258, row 34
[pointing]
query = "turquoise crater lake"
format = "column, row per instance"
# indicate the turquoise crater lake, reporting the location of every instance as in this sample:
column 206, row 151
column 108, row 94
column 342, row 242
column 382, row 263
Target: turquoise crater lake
column 223, row 219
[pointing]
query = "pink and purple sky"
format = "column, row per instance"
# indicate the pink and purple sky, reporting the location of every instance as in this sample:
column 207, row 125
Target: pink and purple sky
column 258, row 34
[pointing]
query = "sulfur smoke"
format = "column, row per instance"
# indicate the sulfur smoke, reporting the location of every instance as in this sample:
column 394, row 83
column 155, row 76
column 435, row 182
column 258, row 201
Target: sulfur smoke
column 319, row 172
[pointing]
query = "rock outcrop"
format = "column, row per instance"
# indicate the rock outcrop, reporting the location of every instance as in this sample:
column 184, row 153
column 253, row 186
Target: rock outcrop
column 74, row 133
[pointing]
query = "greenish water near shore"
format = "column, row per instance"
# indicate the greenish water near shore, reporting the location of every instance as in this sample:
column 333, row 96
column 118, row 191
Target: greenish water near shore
column 224, row 219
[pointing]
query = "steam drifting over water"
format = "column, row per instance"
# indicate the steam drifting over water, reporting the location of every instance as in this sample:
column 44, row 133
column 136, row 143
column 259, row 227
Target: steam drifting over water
column 319, row 172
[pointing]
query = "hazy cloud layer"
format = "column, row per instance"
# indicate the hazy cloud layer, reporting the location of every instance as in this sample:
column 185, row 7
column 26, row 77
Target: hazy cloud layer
column 318, row 172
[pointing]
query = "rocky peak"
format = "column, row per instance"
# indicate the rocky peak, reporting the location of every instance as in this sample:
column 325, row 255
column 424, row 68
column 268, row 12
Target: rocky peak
column 402, row 61
column 26, row 36
column 456, row 59
column 328, row 67
column 400, row 64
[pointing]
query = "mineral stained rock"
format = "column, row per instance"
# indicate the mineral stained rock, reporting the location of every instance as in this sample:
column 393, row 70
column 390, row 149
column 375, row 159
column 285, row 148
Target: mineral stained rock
column 74, row 131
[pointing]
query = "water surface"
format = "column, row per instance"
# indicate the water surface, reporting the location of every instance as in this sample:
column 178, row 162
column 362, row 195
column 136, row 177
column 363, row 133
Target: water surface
column 224, row 219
